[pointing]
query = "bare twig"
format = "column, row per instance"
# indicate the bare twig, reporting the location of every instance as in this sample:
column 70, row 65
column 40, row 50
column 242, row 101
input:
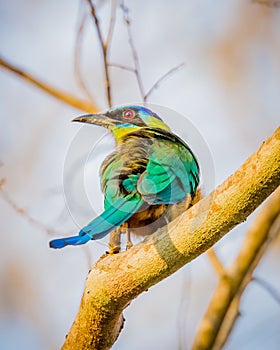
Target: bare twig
column 216, row 263
column 121, row 66
column 23, row 212
column 115, row 280
column 77, row 56
column 69, row 99
column 136, row 70
column 111, row 24
column 162, row 78
column 104, row 44
column 268, row 287
column 223, row 309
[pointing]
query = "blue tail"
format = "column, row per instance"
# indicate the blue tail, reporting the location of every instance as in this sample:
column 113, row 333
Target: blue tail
column 111, row 218
column 75, row 240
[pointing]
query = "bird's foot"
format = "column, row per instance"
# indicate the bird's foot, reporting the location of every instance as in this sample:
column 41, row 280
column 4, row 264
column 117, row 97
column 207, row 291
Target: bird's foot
column 115, row 241
column 128, row 239
column 114, row 250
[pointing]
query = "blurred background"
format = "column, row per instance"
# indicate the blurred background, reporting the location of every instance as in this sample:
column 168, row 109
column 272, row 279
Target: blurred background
column 229, row 93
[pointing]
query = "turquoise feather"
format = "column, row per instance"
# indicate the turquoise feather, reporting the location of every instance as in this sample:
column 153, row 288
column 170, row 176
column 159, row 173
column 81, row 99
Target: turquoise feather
column 150, row 169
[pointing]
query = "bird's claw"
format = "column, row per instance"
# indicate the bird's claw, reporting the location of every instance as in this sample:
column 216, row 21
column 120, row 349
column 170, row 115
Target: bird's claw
column 129, row 245
column 114, row 249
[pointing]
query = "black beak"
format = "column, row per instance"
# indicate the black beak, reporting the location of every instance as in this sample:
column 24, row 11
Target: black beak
column 96, row 119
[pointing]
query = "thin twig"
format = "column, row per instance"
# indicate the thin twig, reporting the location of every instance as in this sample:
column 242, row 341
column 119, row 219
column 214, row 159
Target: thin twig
column 109, row 38
column 34, row 222
column 216, row 263
column 69, row 99
column 127, row 22
column 273, row 292
column 77, row 56
column 136, row 69
column 121, row 66
column 111, row 24
column 105, row 45
column 162, row 78
column 23, row 212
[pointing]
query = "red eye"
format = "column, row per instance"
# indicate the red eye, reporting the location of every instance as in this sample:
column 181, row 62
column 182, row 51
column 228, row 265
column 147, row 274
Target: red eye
column 128, row 114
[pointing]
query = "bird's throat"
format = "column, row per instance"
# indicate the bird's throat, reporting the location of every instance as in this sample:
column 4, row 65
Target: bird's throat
column 119, row 132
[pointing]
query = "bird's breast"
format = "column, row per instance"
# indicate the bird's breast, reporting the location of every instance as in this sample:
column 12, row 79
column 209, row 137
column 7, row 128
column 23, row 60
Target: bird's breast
column 130, row 158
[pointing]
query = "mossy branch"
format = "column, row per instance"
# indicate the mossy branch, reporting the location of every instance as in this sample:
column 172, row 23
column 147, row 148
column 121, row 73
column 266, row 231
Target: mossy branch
column 60, row 95
column 115, row 280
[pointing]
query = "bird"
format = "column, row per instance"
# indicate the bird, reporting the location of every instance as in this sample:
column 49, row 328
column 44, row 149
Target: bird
column 150, row 178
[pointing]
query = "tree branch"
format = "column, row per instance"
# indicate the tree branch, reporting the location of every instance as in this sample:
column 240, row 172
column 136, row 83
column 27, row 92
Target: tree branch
column 69, row 99
column 223, row 309
column 115, row 280
column 216, row 263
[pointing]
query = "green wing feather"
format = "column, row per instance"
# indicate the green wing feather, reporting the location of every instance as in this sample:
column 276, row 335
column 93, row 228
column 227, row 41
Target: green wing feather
column 171, row 173
column 162, row 174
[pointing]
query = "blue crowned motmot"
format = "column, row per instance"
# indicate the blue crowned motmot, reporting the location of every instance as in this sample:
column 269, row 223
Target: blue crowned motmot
column 151, row 177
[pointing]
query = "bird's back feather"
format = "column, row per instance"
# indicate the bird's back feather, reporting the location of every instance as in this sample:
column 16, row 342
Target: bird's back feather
column 149, row 170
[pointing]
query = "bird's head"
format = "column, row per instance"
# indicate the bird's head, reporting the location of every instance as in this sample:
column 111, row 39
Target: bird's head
column 123, row 120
